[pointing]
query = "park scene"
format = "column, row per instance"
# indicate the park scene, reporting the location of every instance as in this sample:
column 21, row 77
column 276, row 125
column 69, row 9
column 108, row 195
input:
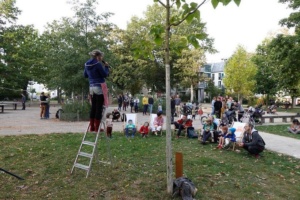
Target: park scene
column 89, row 110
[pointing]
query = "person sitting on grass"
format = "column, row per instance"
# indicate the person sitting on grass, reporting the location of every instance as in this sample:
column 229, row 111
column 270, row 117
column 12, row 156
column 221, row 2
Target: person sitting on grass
column 222, row 133
column 229, row 138
column 208, row 128
column 295, row 127
column 130, row 128
column 144, row 130
column 157, row 123
column 252, row 141
column 183, row 123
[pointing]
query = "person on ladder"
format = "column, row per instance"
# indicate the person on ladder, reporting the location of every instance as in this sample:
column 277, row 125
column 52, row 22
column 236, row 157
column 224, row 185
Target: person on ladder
column 96, row 70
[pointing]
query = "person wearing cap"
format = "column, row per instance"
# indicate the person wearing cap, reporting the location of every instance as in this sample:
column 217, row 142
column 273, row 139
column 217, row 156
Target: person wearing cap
column 96, row 70
column 252, row 141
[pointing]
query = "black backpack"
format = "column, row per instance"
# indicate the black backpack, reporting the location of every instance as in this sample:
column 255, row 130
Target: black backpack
column 123, row 117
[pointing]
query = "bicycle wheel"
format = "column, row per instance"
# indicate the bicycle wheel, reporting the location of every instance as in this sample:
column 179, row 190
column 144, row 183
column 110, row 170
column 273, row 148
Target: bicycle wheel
column 203, row 119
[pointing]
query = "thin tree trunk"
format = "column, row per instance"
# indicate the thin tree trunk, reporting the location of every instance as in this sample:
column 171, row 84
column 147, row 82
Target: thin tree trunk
column 169, row 156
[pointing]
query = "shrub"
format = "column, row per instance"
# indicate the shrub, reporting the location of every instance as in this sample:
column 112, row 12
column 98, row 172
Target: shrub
column 76, row 111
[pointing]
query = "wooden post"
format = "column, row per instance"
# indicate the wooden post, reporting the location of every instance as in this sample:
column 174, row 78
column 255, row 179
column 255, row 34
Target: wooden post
column 178, row 164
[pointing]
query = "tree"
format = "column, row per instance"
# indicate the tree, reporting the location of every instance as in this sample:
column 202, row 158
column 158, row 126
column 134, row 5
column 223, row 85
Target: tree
column 240, row 73
column 189, row 11
column 284, row 53
column 294, row 19
column 266, row 80
column 189, row 62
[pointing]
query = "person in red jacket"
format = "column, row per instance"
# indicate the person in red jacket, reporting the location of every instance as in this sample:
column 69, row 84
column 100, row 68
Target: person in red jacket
column 183, row 123
column 144, row 130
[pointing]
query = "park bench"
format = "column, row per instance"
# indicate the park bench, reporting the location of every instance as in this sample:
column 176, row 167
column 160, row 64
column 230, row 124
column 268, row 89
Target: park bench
column 14, row 105
column 283, row 117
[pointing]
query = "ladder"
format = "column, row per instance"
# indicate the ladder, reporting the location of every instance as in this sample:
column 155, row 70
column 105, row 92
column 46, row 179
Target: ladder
column 92, row 146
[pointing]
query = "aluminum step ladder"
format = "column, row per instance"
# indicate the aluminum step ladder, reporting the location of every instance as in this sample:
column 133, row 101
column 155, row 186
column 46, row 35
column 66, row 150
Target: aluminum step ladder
column 91, row 146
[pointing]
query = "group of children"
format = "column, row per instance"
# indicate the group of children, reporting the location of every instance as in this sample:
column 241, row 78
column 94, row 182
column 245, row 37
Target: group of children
column 130, row 128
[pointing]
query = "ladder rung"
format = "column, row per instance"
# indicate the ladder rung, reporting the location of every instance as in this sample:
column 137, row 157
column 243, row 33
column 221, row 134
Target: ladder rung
column 89, row 143
column 81, row 166
column 85, row 154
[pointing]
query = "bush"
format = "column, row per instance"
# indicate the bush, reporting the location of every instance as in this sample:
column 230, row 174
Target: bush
column 76, row 111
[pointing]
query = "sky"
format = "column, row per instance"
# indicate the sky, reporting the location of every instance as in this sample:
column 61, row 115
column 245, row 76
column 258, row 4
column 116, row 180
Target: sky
column 247, row 25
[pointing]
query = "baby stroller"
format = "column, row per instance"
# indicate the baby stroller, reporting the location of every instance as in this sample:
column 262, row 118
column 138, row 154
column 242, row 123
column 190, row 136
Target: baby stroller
column 256, row 113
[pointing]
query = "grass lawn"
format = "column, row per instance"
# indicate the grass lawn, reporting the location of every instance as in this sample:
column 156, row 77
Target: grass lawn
column 139, row 170
column 278, row 130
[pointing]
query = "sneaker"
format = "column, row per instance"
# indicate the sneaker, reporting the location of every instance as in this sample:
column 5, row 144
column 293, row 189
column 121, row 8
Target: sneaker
column 155, row 133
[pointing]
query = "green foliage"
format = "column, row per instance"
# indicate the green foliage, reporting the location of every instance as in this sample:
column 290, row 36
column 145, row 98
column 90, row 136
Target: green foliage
column 77, row 106
column 278, row 130
column 240, row 73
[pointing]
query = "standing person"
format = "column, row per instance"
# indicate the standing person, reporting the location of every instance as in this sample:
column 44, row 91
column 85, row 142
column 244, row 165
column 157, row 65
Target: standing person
column 218, row 106
column 213, row 105
column 120, row 102
column 124, row 102
column 150, row 104
column 252, row 141
column 47, row 110
column 96, row 70
column 177, row 105
column 136, row 104
column 23, row 101
column 240, row 110
column 145, row 104
column 173, row 109
column 131, row 104
column 43, row 105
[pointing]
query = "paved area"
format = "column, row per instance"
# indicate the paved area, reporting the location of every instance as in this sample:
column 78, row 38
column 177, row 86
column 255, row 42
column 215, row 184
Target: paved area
column 20, row 122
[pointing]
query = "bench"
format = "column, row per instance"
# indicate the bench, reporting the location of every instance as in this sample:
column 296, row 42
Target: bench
column 14, row 104
column 283, row 117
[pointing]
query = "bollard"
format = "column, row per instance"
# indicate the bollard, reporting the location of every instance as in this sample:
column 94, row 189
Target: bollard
column 178, row 164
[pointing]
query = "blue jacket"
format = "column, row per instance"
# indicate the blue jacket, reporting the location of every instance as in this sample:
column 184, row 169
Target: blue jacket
column 94, row 70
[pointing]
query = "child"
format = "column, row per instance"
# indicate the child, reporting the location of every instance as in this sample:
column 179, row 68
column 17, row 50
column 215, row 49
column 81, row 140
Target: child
column 130, row 128
column 193, row 113
column 109, row 125
column 144, row 130
column 221, row 136
column 229, row 138
column 159, row 108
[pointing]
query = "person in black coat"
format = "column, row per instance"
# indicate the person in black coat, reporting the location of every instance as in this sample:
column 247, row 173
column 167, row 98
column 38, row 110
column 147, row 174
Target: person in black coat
column 218, row 106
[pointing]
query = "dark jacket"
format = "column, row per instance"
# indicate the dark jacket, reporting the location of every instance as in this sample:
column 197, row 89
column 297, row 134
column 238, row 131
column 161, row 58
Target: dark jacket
column 218, row 105
column 95, row 71
column 253, row 139
column 150, row 100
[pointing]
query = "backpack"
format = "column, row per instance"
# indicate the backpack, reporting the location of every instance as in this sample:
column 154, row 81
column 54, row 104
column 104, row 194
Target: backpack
column 191, row 133
column 123, row 117
column 184, row 187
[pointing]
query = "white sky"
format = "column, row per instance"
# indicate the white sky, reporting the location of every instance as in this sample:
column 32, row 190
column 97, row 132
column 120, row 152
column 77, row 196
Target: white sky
column 230, row 26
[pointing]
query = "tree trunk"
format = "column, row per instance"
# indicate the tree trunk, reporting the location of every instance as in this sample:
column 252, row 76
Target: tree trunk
column 192, row 93
column 169, row 156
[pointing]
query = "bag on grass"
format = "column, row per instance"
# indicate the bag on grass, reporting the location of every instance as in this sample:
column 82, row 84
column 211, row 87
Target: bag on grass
column 191, row 133
column 184, row 187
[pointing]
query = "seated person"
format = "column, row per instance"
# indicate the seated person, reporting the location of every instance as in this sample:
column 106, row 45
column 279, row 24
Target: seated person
column 144, row 130
column 182, row 123
column 228, row 138
column 252, row 141
column 116, row 115
column 222, row 133
column 130, row 128
column 158, row 122
column 295, row 127
column 208, row 127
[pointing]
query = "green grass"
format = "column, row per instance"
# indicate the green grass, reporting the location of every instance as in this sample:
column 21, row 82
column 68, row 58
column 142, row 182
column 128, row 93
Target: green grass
column 139, row 170
column 278, row 130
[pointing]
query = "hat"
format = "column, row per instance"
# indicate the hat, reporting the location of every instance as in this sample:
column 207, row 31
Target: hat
column 96, row 52
column 232, row 130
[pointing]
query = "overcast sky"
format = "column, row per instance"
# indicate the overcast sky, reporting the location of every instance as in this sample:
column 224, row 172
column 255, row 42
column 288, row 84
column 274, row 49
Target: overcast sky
column 230, row 26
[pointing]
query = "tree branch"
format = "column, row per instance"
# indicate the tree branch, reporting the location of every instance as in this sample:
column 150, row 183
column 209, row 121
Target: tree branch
column 164, row 5
column 184, row 18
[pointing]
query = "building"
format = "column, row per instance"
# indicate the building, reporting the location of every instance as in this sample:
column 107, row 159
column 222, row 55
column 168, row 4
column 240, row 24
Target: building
column 213, row 71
